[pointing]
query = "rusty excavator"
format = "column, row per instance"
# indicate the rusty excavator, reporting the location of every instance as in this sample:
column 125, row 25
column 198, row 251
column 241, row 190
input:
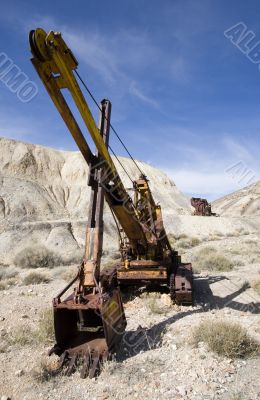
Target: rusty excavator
column 89, row 322
column 202, row 207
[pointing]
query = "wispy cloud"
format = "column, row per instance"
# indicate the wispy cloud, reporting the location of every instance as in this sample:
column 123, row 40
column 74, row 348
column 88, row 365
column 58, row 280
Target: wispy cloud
column 93, row 50
column 136, row 91
column 204, row 174
column 237, row 149
column 179, row 69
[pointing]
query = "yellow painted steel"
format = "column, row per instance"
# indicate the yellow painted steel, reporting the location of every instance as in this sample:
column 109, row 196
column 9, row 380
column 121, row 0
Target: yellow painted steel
column 55, row 63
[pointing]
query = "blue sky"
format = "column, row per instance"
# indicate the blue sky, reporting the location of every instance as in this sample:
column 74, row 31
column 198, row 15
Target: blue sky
column 184, row 97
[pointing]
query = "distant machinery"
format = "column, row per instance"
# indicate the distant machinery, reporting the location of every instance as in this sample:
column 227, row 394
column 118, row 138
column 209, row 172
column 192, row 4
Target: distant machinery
column 202, row 207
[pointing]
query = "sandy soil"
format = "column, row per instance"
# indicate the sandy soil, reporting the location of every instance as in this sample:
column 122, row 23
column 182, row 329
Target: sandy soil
column 156, row 359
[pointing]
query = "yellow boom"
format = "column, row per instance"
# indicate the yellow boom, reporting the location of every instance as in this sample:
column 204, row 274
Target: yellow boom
column 55, row 64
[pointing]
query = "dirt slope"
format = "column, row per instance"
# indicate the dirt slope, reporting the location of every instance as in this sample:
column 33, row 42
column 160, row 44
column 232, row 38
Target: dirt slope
column 244, row 202
column 44, row 199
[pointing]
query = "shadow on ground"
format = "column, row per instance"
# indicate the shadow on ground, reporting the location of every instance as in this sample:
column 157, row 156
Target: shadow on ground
column 145, row 339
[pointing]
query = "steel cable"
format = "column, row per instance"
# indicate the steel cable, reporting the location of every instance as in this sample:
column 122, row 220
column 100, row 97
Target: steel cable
column 111, row 126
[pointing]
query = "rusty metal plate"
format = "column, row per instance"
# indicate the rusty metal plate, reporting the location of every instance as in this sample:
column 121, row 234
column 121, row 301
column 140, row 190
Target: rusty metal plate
column 132, row 276
column 183, row 284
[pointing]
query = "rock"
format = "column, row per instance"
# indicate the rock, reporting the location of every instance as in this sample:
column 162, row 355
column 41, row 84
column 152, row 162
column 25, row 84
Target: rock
column 19, row 372
column 166, row 300
column 3, row 332
column 227, row 311
column 24, row 316
column 53, row 188
column 2, row 318
column 242, row 202
column 182, row 390
column 5, row 398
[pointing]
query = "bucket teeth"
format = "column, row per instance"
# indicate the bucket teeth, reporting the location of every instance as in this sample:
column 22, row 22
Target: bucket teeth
column 105, row 357
column 90, row 361
column 85, row 366
column 72, row 365
column 95, row 366
column 63, row 359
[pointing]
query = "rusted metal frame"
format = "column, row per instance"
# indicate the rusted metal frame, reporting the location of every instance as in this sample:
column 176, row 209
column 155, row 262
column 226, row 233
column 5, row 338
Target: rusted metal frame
column 94, row 236
column 181, row 284
column 57, row 299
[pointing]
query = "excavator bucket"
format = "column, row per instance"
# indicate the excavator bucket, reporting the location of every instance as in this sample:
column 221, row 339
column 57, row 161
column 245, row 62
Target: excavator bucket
column 87, row 329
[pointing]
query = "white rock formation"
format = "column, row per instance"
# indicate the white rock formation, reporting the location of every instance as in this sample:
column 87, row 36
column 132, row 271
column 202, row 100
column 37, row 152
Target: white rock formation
column 44, row 199
column 244, row 202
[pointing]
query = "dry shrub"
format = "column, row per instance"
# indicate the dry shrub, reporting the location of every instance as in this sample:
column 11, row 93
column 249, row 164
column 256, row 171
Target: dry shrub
column 171, row 238
column 237, row 396
column 69, row 274
column 47, row 369
column 74, row 257
column 251, row 242
column 206, row 251
column 8, row 273
column 188, row 242
column 45, row 332
column 209, row 259
column 35, row 278
column 36, row 257
column 181, row 236
column 219, row 263
column 22, row 335
column 6, row 284
column 3, row 285
column 216, row 235
column 225, row 338
column 256, row 285
column 254, row 259
column 154, row 303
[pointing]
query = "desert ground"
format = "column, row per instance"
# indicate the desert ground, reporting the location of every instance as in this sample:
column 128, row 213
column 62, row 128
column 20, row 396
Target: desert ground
column 168, row 351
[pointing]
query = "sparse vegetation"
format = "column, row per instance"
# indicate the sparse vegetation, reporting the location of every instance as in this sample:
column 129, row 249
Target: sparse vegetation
column 8, row 273
column 46, row 370
column 24, row 335
column 251, row 242
column 216, row 235
column 208, row 250
column 255, row 259
column 69, row 274
column 35, row 278
column 21, row 336
column 256, row 285
column 45, row 332
column 36, row 257
column 188, row 243
column 237, row 396
column 174, row 238
column 154, row 303
column 7, row 283
column 209, row 259
column 225, row 338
